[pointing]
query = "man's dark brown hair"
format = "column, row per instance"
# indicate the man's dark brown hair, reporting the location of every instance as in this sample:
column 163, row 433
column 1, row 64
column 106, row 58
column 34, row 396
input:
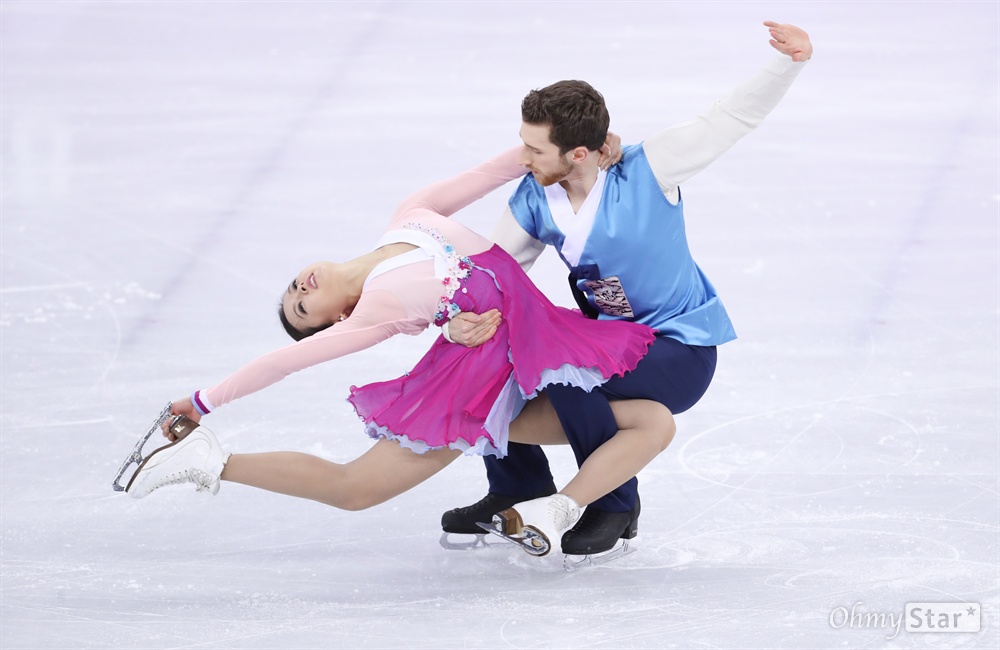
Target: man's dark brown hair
column 574, row 112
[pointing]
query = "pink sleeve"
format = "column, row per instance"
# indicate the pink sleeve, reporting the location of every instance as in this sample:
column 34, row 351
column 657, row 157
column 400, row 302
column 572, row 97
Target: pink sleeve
column 451, row 195
column 377, row 316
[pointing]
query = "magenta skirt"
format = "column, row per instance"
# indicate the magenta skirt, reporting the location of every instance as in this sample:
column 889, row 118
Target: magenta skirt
column 465, row 398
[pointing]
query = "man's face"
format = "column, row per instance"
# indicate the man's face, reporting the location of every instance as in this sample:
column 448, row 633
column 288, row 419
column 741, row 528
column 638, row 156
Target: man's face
column 541, row 156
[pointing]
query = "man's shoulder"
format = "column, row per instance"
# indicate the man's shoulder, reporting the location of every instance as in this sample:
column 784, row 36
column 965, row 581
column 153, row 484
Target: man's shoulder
column 527, row 204
column 633, row 165
column 634, row 153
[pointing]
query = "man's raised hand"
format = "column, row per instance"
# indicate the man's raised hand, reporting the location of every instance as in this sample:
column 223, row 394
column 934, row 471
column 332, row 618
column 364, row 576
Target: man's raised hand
column 790, row 40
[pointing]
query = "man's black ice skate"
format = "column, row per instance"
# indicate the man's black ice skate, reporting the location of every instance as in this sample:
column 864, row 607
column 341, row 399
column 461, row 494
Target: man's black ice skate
column 595, row 536
column 464, row 521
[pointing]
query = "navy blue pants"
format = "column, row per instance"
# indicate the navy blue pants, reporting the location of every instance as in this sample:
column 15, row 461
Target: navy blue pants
column 672, row 373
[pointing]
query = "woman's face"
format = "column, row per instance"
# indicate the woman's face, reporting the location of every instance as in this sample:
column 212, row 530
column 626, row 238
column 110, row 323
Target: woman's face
column 314, row 298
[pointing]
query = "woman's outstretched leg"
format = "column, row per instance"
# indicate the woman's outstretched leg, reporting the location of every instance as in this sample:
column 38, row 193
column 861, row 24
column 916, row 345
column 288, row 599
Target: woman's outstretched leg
column 384, row 471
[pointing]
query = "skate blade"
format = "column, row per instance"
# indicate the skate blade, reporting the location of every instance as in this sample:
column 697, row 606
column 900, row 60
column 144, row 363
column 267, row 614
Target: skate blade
column 180, row 427
column 464, row 543
column 530, row 541
column 136, row 456
column 578, row 562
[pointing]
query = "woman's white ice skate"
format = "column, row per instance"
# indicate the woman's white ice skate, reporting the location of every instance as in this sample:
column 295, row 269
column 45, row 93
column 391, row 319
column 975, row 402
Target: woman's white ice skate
column 538, row 525
column 197, row 458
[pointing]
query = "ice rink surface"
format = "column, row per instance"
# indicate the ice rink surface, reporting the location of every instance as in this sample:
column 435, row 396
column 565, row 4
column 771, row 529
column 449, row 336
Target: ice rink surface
column 167, row 167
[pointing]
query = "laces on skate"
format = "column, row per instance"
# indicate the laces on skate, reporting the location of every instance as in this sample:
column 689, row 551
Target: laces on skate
column 203, row 481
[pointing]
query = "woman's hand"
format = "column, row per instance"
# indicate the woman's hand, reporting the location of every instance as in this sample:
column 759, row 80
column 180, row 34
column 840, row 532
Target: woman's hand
column 611, row 151
column 184, row 407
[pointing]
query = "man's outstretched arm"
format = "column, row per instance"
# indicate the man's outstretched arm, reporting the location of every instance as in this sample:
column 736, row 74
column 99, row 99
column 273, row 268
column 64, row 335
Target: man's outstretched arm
column 679, row 152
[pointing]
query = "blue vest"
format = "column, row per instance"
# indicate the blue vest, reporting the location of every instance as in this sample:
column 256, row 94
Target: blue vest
column 635, row 264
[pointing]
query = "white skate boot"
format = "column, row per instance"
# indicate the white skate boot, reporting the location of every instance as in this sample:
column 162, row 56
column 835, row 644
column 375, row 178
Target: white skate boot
column 197, row 459
column 536, row 525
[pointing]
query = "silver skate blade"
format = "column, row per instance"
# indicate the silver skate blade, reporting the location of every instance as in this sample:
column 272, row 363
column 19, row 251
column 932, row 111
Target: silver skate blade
column 136, row 456
column 491, row 528
column 467, row 542
column 525, row 541
column 578, row 562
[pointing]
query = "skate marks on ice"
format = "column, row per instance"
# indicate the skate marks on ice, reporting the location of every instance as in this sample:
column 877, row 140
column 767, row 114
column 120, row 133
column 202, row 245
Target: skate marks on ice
column 170, row 604
column 228, row 578
column 807, row 516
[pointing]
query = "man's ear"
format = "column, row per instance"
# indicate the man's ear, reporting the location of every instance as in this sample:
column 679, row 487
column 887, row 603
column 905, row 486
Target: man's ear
column 579, row 154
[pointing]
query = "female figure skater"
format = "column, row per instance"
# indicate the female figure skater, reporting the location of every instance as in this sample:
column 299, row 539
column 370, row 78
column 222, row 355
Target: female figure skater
column 456, row 400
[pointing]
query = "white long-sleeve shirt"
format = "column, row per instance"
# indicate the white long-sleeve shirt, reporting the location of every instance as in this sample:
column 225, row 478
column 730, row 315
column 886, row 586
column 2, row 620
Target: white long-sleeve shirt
column 678, row 152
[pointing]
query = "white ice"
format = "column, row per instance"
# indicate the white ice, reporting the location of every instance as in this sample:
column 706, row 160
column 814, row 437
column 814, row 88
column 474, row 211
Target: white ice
column 168, row 165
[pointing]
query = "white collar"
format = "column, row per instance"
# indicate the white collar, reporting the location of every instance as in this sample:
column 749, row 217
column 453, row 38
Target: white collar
column 429, row 247
column 575, row 226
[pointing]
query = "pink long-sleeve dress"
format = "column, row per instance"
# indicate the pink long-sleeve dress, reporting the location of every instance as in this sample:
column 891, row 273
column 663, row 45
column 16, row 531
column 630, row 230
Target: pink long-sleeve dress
column 456, row 397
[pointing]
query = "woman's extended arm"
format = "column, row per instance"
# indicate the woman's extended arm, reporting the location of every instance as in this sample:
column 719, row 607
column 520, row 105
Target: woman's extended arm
column 452, row 194
column 377, row 316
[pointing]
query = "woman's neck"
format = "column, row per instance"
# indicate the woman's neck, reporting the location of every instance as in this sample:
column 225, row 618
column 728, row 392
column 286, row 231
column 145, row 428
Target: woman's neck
column 356, row 271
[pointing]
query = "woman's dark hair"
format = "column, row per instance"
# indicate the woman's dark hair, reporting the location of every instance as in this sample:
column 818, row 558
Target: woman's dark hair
column 296, row 335
column 573, row 110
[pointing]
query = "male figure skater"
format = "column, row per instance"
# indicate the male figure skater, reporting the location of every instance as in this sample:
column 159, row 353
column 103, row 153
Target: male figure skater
column 621, row 234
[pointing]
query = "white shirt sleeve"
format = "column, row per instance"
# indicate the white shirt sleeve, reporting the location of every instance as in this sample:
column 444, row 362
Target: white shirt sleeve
column 511, row 237
column 681, row 151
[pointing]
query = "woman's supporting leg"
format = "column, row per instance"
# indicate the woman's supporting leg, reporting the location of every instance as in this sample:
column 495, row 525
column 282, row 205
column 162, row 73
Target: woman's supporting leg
column 645, row 428
column 384, row 471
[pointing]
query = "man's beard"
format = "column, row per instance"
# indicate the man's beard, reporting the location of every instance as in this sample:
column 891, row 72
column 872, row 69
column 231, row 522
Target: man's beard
column 551, row 179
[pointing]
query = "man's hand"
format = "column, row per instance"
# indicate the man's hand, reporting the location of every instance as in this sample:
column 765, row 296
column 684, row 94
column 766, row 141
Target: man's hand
column 611, row 151
column 790, row 40
column 472, row 330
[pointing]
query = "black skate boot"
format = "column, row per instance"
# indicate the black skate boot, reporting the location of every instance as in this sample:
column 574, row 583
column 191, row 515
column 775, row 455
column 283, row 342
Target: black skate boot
column 463, row 520
column 598, row 531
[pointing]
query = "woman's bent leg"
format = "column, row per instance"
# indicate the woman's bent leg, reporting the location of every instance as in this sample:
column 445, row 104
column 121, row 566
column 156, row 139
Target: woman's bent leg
column 645, row 428
column 384, row 471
